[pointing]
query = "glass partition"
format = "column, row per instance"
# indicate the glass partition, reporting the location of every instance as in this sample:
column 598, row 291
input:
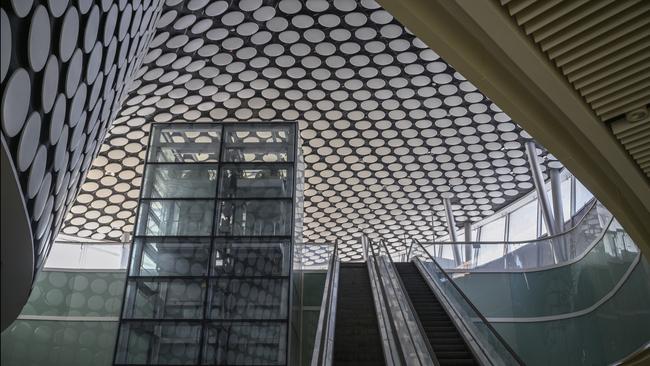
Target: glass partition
column 210, row 267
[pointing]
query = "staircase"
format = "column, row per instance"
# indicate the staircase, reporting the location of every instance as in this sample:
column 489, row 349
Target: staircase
column 447, row 344
column 357, row 341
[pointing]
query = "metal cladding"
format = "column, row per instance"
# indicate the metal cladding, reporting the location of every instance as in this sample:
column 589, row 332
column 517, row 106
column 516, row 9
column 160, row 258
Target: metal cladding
column 65, row 70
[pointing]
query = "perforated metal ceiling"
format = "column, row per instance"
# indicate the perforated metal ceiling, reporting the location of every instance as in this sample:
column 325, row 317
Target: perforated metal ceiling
column 389, row 128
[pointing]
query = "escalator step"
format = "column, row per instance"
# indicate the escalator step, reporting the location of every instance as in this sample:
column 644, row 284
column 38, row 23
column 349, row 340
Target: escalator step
column 447, row 344
column 356, row 336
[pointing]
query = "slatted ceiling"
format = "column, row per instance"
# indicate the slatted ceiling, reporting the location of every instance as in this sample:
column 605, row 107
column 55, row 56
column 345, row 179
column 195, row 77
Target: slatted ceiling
column 620, row 95
column 555, row 17
column 596, row 37
column 629, row 74
column 519, row 5
column 602, row 47
column 628, row 56
column 580, row 20
column 535, row 10
column 635, row 138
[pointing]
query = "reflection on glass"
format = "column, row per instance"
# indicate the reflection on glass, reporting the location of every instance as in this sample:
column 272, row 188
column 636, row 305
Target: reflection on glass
column 258, row 143
column 180, row 181
column 154, row 343
column 164, row 299
column 245, row 343
column 256, row 181
column 251, row 259
column 175, row 218
column 254, row 218
column 250, row 298
column 170, row 257
column 187, row 144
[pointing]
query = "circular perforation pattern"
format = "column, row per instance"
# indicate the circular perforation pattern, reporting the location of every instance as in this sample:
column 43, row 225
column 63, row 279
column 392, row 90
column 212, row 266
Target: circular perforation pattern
column 389, row 129
column 62, row 87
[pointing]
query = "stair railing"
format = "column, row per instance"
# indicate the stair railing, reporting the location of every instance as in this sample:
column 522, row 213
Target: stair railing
column 324, row 341
column 484, row 341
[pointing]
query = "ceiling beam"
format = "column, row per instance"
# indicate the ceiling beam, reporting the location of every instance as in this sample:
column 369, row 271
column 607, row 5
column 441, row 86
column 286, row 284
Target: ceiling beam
column 482, row 42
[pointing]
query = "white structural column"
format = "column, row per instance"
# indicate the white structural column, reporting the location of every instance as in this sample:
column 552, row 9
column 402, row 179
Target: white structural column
column 558, row 212
column 538, row 179
column 556, row 195
column 451, row 228
column 467, row 227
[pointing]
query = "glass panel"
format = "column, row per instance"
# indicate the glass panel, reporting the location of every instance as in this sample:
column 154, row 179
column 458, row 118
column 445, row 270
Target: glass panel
column 268, row 180
column 175, row 218
column 582, row 195
column 250, row 298
column 245, row 343
column 523, row 222
column 187, row 143
column 165, row 299
column 251, row 259
column 258, row 143
column 58, row 343
column 154, row 343
column 494, row 231
column 254, row 218
column 171, row 257
column 87, row 256
column 180, row 181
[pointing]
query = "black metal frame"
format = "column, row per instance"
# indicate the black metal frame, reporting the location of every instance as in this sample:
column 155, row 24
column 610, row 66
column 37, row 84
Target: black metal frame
column 211, row 239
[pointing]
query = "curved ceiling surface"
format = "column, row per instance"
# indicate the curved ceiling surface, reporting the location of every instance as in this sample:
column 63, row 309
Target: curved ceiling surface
column 389, row 129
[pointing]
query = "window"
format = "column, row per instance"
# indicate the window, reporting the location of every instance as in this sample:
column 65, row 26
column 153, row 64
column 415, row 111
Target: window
column 523, row 223
column 582, row 195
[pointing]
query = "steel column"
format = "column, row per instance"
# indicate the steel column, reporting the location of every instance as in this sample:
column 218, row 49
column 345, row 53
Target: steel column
column 467, row 227
column 451, row 228
column 538, row 179
column 556, row 195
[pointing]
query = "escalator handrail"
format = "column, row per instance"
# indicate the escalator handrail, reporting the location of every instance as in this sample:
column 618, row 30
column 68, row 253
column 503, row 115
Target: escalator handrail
column 322, row 355
column 473, row 307
column 410, row 305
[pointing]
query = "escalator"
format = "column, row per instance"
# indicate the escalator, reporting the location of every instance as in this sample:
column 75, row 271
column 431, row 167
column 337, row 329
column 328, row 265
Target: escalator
column 446, row 342
column 357, row 339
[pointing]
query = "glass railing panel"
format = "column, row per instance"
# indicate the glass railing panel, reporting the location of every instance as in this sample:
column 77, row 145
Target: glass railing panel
column 617, row 328
column 556, row 290
column 58, row 343
column 499, row 256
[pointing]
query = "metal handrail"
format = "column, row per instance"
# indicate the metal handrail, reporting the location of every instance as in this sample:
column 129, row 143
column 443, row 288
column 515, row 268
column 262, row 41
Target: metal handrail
column 411, row 307
column 541, row 239
column 473, row 307
column 324, row 340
